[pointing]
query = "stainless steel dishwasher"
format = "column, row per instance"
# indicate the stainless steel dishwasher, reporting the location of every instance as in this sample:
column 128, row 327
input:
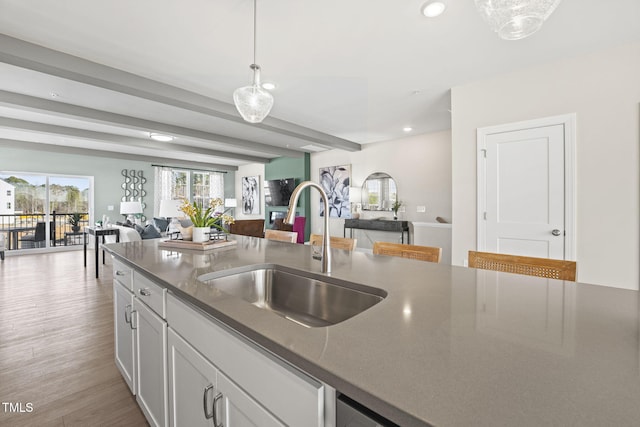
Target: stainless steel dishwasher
column 350, row 413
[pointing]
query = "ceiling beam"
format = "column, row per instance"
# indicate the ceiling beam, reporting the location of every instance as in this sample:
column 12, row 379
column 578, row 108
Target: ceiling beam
column 28, row 145
column 124, row 141
column 61, row 109
column 38, row 58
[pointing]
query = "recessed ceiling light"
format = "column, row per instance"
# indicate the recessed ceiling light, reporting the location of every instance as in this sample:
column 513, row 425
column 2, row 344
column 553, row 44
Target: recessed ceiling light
column 160, row 137
column 407, row 129
column 431, row 9
column 269, row 86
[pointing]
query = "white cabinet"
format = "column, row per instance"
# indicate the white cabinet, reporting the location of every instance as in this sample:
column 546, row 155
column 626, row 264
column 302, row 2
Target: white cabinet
column 151, row 338
column 192, row 385
column 256, row 388
column 200, row 395
column 188, row 369
column 125, row 340
column 238, row 409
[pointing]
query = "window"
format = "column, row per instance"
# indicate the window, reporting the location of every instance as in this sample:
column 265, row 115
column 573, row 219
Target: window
column 196, row 186
column 45, row 198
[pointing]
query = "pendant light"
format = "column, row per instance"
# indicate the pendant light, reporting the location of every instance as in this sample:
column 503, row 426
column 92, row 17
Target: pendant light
column 515, row 19
column 253, row 102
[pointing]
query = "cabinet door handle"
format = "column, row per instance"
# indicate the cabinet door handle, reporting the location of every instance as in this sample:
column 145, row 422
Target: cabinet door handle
column 215, row 411
column 207, row 415
column 133, row 316
column 127, row 310
column 144, row 292
column 119, row 273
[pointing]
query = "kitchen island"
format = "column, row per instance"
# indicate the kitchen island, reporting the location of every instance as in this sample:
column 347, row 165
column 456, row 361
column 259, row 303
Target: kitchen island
column 447, row 346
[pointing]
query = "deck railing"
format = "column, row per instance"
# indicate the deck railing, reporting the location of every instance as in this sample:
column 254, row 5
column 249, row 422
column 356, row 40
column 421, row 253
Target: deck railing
column 16, row 227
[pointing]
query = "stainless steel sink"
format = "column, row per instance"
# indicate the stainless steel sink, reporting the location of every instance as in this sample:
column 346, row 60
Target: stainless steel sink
column 295, row 296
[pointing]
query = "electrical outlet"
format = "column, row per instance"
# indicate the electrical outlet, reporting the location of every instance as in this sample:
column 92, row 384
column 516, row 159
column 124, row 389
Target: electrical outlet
column 110, row 207
column 421, row 209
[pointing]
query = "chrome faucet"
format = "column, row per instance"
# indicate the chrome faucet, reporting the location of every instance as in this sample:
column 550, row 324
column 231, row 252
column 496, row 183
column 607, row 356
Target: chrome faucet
column 291, row 214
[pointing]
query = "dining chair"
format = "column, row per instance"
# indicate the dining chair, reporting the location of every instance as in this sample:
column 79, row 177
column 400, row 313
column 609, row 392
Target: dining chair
column 36, row 239
column 422, row 253
column 3, row 246
column 335, row 242
column 283, row 236
column 530, row 266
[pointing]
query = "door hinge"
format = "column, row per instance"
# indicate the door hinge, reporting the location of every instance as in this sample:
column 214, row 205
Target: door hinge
column 484, row 152
column 484, row 216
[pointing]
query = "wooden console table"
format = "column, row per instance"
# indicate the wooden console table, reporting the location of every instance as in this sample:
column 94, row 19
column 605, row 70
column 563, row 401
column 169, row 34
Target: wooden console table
column 97, row 232
column 379, row 225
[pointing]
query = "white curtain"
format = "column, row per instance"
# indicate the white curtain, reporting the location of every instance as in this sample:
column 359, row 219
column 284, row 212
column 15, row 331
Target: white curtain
column 164, row 185
column 216, row 189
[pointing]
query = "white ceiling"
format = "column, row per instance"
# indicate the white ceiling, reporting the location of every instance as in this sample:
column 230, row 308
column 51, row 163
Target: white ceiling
column 347, row 72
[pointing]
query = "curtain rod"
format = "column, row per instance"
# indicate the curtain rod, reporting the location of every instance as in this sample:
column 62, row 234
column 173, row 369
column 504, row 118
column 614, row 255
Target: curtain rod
column 188, row 169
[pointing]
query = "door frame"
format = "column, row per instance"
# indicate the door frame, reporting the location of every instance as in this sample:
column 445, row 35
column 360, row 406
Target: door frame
column 569, row 123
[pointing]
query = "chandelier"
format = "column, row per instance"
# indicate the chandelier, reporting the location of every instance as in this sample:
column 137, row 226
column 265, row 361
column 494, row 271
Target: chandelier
column 515, row 19
column 253, row 102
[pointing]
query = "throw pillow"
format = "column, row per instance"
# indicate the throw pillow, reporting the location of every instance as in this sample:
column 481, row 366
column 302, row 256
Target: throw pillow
column 138, row 228
column 149, row 232
column 161, row 223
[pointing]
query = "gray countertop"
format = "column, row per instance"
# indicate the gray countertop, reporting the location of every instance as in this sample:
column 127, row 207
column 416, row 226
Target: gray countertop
column 448, row 346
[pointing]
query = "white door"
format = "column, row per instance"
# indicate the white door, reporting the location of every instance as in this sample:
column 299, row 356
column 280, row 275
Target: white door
column 125, row 343
column 524, row 189
column 239, row 409
column 192, row 385
column 153, row 389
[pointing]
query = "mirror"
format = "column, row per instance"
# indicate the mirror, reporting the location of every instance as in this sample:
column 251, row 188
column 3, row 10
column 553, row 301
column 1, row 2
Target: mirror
column 379, row 192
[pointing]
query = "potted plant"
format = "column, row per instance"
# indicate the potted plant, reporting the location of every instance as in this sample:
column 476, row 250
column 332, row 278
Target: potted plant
column 204, row 219
column 396, row 205
column 74, row 220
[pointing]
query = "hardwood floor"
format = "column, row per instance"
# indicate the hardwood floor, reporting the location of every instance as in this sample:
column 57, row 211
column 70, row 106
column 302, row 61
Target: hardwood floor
column 56, row 345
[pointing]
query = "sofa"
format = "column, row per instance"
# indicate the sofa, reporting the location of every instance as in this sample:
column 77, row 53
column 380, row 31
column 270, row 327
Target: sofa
column 134, row 233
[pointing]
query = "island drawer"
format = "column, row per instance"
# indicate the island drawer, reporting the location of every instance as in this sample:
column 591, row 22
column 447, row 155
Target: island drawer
column 152, row 294
column 122, row 274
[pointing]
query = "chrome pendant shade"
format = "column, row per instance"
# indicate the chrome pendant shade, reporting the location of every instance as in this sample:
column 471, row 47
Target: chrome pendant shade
column 253, row 102
column 515, row 19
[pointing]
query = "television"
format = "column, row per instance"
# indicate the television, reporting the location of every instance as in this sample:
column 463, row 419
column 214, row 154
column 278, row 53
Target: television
column 277, row 192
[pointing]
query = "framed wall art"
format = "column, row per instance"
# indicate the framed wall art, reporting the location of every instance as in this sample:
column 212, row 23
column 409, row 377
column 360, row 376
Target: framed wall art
column 251, row 195
column 335, row 181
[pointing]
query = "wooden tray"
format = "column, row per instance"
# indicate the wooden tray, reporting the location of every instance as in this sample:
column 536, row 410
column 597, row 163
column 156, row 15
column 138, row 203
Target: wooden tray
column 203, row 246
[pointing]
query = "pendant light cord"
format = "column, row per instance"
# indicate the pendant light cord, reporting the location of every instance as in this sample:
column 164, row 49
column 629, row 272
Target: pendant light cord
column 255, row 31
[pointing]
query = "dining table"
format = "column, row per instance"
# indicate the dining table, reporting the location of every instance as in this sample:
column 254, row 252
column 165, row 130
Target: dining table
column 13, row 235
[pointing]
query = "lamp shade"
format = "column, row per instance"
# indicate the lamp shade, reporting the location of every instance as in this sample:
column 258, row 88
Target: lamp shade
column 355, row 194
column 515, row 19
column 127, row 208
column 170, row 208
column 252, row 102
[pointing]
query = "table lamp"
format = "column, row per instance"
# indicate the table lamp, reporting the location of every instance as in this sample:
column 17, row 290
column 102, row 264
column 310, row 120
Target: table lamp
column 171, row 209
column 230, row 204
column 355, row 198
column 130, row 210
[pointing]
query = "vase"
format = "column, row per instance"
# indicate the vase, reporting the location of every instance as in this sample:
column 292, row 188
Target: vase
column 201, row 234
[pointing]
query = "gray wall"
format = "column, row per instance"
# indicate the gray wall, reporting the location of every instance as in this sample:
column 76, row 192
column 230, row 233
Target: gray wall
column 106, row 172
column 107, row 175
